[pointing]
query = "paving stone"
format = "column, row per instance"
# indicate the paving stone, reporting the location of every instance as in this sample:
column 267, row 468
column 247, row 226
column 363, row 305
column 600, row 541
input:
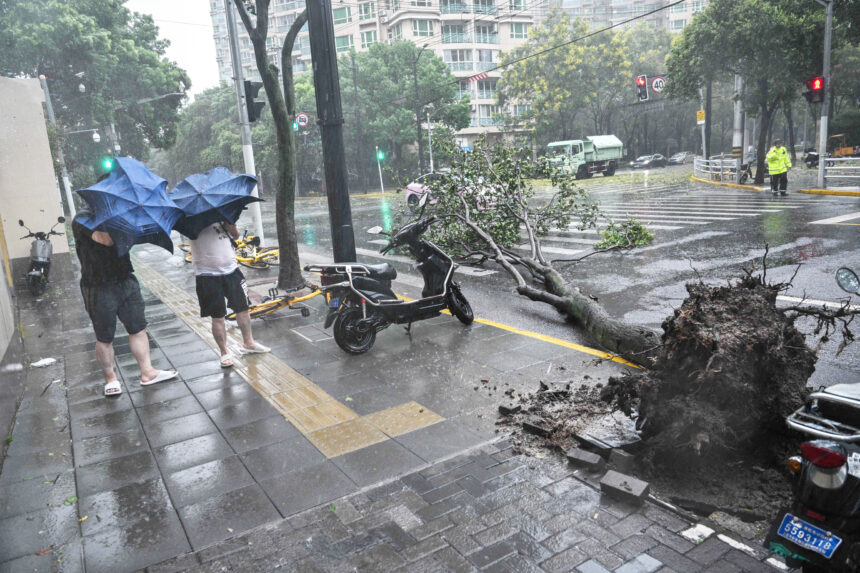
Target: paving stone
column 188, row 453
column 307, row 487
column 432, row 527
column 217, row 381
column 282, row 458
column 591, row 566
column 94, row 450
column 708, row 551
column 746, row 562
column 564, row 561
column 116, row 472
column 424, row 547
column 443, row 492
column 492, row 554
column 149, row 395
column 259, row 433
column 104, row 424
column 723, row 567
column 634, row 545
column 125, row 506
column 169, row 410
column 673, row 559
column 494, row 534
column 380, row 557
column 167, row 432
column 242, row 413
column 564, row 539
column 642, row 564
column 439, row 509
column 28, row 496
column 664, row 518
column 630, row 525
column 403, row 517
column 28, row 533
column 200, row 482
column 460, row 540
column 223, row 516
column 452, row 561
column 597, row 549
column 669, row 539
column 226, row 396
column 529, row 547
column 396, row 536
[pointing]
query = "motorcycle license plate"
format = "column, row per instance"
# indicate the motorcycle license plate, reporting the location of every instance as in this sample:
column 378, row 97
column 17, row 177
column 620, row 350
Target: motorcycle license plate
column 334, row 302
column 808, row 536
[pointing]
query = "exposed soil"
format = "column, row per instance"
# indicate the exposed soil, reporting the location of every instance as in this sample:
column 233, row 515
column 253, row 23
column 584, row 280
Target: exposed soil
column 710, row 414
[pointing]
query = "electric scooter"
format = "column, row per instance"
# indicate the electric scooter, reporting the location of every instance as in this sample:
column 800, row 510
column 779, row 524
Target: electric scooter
column 359, row 295
column 820, row 531
column 41, row 251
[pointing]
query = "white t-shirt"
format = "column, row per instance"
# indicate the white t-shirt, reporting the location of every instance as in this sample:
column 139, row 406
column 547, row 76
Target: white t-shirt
column 212, row 253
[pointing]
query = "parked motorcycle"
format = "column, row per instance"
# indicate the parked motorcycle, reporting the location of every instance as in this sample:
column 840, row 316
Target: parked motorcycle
column 359, row 295
column 821, row 530
column 41, row 251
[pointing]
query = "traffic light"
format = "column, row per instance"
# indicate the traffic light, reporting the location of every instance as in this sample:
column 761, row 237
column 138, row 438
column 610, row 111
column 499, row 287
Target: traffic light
column 816, row 91
column 254, row 107
column 295, row 126
column 380, row 155
column 642, row 87
column 106, row 163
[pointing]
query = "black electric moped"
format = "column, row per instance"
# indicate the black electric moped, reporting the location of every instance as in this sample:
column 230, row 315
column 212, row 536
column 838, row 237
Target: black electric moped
column 41, row 251
column 360, row 299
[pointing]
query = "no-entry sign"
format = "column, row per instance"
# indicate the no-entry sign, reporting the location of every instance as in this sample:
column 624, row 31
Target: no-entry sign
column 302, row 119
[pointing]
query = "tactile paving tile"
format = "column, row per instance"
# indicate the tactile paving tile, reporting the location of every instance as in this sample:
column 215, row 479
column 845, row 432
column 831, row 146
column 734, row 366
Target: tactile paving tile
column 403, row 418
column 332, row 427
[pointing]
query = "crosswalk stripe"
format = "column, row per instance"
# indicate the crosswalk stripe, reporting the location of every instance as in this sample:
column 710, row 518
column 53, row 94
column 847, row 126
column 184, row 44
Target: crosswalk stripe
column 559, row 239
column 692, row 207
column 674, row 218
column 839, row 219
column 692, row 211
column 556, row 250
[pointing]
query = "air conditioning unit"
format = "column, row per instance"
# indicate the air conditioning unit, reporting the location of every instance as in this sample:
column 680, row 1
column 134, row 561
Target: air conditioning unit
column 383, row 13
column 383, row 19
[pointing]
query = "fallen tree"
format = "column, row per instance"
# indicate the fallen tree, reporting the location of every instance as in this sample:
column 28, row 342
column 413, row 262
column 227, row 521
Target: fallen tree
column 484, row 202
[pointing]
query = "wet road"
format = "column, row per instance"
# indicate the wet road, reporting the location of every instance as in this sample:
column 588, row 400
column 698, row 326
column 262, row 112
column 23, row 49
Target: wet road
column 700, row 231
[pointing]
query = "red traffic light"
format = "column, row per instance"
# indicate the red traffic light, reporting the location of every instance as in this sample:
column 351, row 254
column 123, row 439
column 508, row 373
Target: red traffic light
column 640, row 81
column 816, row 84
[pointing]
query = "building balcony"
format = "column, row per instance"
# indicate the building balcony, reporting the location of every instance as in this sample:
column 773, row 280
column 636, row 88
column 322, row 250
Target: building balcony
column 456, row 38
column 485, row 122
column 485, row 9
column 486, row 94
column 454, row 8
column 486, row 38
column 465, row 94
column 461, row 66
column 484, row 66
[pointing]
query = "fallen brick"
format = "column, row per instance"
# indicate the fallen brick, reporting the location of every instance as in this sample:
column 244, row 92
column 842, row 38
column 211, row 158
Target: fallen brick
column 624, row 487
column 623, row 461
column 508, row 409
column 537, row 426
column 594, row 444
column 585, row 459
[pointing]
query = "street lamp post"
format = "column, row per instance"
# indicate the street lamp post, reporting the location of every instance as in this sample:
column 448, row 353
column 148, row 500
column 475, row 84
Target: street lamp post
column 67, row 185
column 418, row 109
column 825, row 105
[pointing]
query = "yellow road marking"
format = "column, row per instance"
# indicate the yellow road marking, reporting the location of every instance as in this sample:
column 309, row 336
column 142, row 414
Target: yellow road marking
column 845, row 223
column 726, row 184
column 830, row 192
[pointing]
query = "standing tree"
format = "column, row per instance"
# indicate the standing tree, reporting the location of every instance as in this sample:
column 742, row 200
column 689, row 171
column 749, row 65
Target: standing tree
column 283, row 108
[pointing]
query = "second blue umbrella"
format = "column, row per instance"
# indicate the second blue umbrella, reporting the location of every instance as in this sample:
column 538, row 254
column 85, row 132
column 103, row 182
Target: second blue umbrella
column 211, row 197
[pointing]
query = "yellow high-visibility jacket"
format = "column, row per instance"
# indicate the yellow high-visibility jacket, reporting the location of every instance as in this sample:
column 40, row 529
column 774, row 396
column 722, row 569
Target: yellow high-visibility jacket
column 778, row 160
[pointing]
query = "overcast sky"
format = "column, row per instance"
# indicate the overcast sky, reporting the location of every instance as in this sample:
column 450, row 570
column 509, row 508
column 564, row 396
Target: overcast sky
column 186, row 23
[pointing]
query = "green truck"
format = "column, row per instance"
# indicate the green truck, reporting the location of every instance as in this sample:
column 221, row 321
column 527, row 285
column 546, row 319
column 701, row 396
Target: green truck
column 585, row 157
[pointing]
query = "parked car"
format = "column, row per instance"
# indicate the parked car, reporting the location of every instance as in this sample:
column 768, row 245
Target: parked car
column 417, row 188
column 681, row 158
column 649, row 161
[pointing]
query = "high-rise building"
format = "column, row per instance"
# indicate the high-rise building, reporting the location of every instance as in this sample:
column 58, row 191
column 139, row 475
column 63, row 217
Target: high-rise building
column 601, row 13
column 468, row 35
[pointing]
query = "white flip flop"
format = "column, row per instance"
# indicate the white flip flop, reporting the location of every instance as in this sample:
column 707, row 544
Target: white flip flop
column 163, row 376
column 258, row 349
column 226, row 361
column 113, row 388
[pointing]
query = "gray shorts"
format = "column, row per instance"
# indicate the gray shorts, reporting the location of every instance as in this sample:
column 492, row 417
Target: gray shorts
column 105, row 303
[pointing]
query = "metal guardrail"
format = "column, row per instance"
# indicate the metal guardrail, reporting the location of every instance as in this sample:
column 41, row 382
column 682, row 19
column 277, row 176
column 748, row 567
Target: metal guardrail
column 841, row 168
column 716, row 169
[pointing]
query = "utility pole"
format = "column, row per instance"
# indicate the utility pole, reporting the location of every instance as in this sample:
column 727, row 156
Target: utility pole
column 738, row 132
column 430, row 140
column 825, row 105
column 359, row 146
column 330, row 114
column 67, row 186
column 244, row 126
column 708, row 92
column 418, row 109
column 379, row 166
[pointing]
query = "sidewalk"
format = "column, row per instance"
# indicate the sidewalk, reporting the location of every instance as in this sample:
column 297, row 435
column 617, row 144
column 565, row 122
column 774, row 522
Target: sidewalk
column 306, row 458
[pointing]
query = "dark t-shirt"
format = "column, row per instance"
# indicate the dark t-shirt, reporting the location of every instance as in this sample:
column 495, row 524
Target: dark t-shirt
column 99, row 264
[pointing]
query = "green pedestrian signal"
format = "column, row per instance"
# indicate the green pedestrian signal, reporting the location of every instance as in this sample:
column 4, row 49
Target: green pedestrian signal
column 295, row 126
column 106, row 164
column 380, row 155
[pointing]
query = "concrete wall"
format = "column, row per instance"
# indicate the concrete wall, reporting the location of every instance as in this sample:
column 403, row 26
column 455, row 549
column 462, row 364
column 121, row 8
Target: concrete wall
column 28, row 187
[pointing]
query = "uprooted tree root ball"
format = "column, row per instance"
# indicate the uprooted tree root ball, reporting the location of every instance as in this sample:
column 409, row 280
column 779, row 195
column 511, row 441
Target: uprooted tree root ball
column 731, row 368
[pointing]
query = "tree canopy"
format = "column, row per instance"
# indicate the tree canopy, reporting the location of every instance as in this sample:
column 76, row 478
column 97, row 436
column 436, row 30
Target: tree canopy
column 118, row 58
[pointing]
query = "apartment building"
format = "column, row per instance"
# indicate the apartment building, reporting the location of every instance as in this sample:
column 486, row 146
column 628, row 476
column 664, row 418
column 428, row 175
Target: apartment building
column 601, row 13
column 469, row 35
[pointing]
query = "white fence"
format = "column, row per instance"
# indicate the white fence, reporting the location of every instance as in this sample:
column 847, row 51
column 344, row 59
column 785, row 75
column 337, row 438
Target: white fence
column 714, row 169
column 844, row 170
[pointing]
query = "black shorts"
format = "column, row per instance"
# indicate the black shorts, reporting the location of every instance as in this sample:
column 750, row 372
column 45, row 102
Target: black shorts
column 214, row 290
column 104, row 303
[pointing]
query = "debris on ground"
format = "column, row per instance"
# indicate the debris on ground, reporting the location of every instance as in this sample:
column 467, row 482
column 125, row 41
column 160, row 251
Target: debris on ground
column 43, row 362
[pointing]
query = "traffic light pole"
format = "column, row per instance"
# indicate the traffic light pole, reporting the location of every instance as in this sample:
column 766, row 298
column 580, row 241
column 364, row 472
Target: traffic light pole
column 330, row 114
column 825, row 105
column 379, row 166
column 245, row 128
column 64, row 173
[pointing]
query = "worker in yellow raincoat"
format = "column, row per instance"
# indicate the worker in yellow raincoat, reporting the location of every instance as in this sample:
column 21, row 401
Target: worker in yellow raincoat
column 778, row 164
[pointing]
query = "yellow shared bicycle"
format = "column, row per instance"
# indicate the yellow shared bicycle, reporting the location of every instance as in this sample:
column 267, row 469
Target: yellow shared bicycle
column 248, row 251
column 275, row 302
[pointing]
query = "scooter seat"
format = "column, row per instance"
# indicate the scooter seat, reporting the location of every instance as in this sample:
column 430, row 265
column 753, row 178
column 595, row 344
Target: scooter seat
column 382, row 271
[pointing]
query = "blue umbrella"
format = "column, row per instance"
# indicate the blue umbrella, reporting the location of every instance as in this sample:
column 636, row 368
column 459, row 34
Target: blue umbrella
column 132, row 206
column 211, row 197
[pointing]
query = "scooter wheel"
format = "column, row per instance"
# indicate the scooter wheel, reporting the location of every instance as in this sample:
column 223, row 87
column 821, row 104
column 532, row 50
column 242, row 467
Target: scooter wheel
column 459, row 306
column 36, row 285
column 347, row 334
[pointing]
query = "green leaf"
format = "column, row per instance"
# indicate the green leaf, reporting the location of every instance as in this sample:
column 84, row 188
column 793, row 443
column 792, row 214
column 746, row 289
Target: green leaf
column 71, row 500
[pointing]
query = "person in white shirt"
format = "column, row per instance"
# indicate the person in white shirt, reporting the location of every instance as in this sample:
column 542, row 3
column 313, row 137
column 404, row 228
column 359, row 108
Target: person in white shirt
column 220, row 284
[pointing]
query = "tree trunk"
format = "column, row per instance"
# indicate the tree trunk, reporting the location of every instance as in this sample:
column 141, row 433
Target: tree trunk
column 789, row 120
column 289, row 273
column 764, row 127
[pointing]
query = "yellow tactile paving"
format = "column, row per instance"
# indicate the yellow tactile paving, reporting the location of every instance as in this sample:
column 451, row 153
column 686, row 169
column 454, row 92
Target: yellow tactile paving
column 332, row 427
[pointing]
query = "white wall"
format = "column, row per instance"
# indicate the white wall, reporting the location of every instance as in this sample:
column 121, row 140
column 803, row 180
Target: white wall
column 28, row 188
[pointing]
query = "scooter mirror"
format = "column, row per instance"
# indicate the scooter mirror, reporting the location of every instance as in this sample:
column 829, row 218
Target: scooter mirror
column 375, row 230
column 848, row 280
column 21, row 222
column 61, row 219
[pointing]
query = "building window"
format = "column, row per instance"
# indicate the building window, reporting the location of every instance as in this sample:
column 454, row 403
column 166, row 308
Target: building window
column 343, row 43
column 454, row 34
column 678, row 8
column 368, row 38
column 487, row 88
column 698, row 6
column 486, row 34
column 679, row 24
column 485, row 6
column 521, row 109
column 395, row 32
column 367, row 11
column 341, row 15
column 422, row 27
column 518, row 5
column 421, row 3
column 519, row 30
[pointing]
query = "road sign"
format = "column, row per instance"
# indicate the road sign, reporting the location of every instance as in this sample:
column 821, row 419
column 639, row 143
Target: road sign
column 700, row 117
column 658, row 83
column 302, row 119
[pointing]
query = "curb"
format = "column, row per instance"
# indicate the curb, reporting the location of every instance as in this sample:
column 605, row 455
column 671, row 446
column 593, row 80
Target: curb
column 723, row 184
column 830, row 192
column 753, row 188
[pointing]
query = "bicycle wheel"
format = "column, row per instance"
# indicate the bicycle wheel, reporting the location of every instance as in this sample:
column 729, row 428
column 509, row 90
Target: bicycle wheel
column 270, row 255
column 252, row 264
column 184, row 247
